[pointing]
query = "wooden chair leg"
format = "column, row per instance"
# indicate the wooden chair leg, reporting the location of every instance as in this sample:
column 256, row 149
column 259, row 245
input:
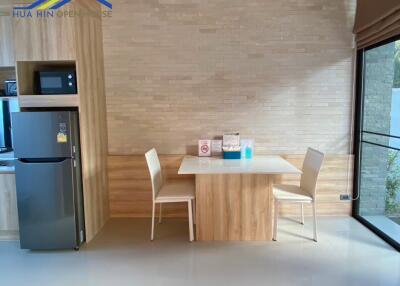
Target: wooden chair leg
column 315, row 221
column 190, row 213
column 276, row 211
column 302, row 213
column 153, row 213
column 159, row 217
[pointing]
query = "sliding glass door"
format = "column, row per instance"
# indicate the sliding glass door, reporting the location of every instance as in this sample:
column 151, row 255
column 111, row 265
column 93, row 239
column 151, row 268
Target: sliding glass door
column 378, row 141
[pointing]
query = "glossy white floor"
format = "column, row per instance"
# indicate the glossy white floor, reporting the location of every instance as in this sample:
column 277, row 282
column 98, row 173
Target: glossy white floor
column 346, row 254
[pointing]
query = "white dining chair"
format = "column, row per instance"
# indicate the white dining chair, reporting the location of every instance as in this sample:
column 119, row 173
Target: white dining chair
column 169, row 191
column 303, row 194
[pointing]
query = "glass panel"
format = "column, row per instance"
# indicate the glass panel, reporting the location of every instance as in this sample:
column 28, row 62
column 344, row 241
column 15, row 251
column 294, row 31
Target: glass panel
column 379, row 176
column 382, row 89
column 391, row 142
column 51, row 82
column 380, row 188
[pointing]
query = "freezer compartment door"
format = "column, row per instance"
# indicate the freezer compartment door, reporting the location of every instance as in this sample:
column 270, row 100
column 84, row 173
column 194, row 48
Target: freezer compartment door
column 43, row 134
column 46, row 209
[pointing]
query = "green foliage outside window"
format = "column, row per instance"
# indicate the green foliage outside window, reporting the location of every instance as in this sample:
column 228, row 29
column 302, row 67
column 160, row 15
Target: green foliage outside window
column 393, row 184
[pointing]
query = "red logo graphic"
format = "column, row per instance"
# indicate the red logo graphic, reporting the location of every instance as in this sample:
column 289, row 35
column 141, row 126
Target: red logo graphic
column 204, row 149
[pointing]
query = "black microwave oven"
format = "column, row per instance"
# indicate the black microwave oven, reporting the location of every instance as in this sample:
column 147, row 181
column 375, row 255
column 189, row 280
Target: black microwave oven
column 56, row 82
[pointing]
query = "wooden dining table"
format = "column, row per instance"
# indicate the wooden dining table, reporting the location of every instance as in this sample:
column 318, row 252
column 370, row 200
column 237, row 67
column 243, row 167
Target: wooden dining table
column 234, row 197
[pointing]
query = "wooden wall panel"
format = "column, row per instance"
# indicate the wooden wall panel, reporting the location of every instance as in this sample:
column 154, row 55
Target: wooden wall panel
column 93, row 117
column 49, row 38
column 279, row 71
column 234, row 207
column 336, row 178
column 48, row 101
column 130, row 188
column 8, row 207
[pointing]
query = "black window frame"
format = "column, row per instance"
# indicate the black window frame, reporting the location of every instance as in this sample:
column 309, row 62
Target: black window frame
column 358, row 131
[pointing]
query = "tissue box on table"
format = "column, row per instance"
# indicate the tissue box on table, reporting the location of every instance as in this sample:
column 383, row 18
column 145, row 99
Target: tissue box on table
column 232, row 152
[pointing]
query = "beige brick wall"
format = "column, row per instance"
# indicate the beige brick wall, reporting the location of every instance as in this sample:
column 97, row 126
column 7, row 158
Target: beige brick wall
column 279, row 71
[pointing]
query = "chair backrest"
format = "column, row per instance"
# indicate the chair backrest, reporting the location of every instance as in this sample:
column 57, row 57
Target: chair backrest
column 155, row 171
column 311, row 167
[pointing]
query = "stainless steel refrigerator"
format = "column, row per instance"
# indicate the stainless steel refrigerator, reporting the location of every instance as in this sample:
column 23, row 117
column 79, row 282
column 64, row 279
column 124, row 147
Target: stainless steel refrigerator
column 48, row 179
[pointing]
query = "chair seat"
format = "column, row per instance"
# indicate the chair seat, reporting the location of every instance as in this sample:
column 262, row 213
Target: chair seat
column 291, row 193
column 176, row 191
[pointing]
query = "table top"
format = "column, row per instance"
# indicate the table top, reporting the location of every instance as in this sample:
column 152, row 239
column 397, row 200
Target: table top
column 257, row 165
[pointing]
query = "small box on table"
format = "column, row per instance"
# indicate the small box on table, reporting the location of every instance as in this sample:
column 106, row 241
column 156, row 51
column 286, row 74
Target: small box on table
column 232, row 152
column 204, row 148
column 231, row 146
column 232, row 155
